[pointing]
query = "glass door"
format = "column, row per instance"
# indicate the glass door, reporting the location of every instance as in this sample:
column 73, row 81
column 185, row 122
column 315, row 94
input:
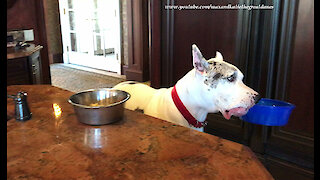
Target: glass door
column 91, row 33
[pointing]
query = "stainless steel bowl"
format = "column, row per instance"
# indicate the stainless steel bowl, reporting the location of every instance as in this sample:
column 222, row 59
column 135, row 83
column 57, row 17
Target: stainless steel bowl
column 99, row 106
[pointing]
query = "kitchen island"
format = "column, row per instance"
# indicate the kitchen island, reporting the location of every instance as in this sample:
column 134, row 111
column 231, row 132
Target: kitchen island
column 53, row 144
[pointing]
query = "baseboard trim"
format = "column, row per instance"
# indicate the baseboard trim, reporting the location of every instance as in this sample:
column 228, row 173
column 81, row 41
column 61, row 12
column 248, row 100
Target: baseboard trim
column 98, row 71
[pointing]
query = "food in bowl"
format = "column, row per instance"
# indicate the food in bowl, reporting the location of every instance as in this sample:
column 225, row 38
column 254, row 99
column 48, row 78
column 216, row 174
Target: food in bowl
column 99, row 106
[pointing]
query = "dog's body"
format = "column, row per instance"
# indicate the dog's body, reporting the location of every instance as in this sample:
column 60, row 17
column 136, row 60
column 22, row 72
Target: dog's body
column 212, row 86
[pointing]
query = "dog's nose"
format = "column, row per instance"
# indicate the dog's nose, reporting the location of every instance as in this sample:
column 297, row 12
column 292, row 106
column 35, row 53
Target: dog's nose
column 256, row 98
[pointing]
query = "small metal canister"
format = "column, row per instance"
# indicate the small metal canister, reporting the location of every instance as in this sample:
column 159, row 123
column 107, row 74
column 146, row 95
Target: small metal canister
column 22, row 111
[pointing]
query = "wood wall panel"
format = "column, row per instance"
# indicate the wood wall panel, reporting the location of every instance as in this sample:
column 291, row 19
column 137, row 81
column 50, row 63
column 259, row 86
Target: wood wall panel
column 53, row 27
column 210, row 30
column 154, row 11
column 29, row 14
column 294, row 142
column 301, row 78
column 138, row 39
column 274, row 50
column 22, row 16
column 18, row 71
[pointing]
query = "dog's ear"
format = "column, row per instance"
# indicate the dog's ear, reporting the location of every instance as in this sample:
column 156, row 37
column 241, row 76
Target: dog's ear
column 218, row 56
column 199, row 62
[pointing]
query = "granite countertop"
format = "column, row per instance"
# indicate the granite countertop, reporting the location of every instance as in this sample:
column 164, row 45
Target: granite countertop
column 13, row 53
column 54, row 145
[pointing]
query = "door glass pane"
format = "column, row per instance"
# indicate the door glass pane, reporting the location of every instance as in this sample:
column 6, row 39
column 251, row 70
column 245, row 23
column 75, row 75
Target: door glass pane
column 71, row 20
column 70, row 4
column 95, row 4
column 96, row 26
column 73, row 41
column 98, row 50
column 96, row 22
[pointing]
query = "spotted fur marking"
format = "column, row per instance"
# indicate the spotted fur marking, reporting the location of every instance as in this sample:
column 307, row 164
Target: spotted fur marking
column 218, row 71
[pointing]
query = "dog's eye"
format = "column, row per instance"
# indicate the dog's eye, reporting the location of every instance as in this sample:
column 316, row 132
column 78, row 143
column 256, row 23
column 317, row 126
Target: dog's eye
column 231, row 78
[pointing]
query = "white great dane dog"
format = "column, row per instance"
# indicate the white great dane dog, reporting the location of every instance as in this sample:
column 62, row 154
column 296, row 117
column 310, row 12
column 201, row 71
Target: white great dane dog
column 211, row 86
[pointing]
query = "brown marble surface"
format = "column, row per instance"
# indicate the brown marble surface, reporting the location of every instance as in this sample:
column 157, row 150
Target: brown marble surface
column 13, row 53
column 54, row 145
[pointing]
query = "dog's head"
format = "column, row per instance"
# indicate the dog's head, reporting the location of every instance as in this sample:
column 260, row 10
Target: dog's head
column 222, row 86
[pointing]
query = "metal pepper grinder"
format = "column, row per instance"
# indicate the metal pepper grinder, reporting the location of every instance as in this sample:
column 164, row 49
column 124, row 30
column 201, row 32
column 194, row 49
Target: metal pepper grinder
column 22, row 111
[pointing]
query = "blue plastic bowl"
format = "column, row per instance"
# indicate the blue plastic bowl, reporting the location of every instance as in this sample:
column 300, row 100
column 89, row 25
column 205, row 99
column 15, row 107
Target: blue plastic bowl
column 269, row 112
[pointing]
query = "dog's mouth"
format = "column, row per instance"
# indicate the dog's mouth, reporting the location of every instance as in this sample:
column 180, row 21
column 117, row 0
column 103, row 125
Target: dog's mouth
column 238, row 111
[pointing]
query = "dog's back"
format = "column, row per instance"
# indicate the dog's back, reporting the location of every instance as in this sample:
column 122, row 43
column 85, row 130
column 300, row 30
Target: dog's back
column 140, row 94
column 153, row 102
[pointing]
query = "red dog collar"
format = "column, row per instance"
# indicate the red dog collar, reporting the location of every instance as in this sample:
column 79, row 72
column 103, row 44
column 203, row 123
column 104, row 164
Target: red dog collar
column 184, row 111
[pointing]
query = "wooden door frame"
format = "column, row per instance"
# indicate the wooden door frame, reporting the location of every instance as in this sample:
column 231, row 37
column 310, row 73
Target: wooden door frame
column 138, row 41
column 154, row 9
column 45, row 64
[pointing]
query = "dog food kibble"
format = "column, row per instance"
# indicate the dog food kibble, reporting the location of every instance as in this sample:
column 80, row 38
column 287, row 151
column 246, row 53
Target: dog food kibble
column 95, row 104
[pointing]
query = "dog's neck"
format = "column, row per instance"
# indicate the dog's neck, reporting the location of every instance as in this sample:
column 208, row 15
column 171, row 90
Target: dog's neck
column 190, row 95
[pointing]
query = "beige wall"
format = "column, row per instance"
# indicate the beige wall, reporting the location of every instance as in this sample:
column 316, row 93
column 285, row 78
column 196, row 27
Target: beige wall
column 51, row 9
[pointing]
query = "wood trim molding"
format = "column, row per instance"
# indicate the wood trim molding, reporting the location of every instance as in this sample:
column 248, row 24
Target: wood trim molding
column 242, row 46
column 161, row 31
column 293, row 147
column 138, row 53
column 280, row 169
column 167, row 45
column 261, row 60
column 286, row 43
column 155, row 9
column 46, row 77
column 56, row 58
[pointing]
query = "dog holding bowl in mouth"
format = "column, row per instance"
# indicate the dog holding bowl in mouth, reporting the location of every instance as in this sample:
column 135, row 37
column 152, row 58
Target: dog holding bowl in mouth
column 211, row 86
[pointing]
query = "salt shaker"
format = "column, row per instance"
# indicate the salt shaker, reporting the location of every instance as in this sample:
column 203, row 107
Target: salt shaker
column 22, row 111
